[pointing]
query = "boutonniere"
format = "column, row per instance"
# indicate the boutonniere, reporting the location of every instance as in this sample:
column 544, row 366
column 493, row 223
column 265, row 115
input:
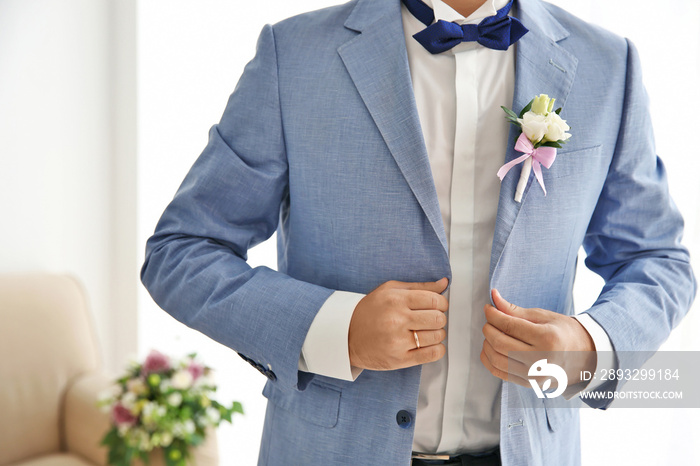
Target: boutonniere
column 542, row 133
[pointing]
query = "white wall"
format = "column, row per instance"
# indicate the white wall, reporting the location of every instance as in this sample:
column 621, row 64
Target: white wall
column 56, row 164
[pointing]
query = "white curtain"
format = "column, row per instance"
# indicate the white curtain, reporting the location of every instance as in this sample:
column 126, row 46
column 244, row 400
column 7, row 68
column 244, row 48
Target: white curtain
column 190, row 57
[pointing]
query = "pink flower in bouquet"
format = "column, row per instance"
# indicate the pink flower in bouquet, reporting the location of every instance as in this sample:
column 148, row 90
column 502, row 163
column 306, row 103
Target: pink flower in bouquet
column 196, row 370
column 155, row 362
column 122, row 416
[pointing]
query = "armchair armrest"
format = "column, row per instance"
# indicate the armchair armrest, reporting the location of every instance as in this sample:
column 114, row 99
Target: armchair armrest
column 84, row 423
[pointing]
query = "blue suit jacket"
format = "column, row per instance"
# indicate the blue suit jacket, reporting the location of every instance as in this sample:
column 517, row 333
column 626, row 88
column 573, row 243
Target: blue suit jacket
column 321, row 141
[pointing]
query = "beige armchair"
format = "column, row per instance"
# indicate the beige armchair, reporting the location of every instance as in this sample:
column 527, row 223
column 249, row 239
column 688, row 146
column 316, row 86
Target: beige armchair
column 50, row 377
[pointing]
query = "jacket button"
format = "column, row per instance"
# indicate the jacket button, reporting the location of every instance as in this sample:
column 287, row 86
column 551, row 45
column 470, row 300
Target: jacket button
column 270, row 375
column 404, row 419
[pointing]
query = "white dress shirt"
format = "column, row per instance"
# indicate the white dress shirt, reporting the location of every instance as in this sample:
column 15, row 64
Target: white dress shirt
column 458, row 97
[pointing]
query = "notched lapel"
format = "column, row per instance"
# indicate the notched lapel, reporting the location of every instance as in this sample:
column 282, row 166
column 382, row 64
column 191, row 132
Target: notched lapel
column 542, row 66
column 377, row 62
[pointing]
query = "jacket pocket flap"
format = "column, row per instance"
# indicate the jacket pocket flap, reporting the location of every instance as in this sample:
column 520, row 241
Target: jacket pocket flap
column 316, row 404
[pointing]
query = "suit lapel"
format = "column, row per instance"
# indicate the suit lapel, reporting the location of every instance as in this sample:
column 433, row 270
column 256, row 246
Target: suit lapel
column 542, row 66
column 377, row 62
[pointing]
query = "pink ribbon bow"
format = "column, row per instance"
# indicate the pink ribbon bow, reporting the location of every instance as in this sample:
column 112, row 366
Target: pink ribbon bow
column 541, row 155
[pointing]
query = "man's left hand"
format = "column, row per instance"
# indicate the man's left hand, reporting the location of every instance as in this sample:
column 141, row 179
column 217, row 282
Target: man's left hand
column 511, row 328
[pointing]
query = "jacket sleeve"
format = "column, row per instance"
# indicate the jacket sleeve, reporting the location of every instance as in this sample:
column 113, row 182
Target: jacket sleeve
column 634, row 241
column 195, row 267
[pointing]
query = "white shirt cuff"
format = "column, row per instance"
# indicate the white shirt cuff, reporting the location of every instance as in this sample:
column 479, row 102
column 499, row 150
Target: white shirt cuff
column 325, row 350
column 605, row 358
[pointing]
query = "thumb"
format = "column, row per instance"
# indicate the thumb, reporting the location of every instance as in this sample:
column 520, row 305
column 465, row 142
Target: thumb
column 531, row 314
column 504, row 306
column 436, row 287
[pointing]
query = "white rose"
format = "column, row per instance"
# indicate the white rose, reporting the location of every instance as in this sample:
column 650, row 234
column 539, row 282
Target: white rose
column 556, row 128
column 534, row 126
column 182, row 379
column 175, row 399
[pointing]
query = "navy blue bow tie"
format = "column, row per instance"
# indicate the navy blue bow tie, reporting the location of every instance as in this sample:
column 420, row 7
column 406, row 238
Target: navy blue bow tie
column 495, row 32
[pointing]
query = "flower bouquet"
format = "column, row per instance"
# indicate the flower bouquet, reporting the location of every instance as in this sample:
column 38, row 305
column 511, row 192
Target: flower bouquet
column 165, row 404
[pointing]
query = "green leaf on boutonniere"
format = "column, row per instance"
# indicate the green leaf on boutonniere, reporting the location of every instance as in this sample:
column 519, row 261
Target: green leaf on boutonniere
column 558, row 111
column 511, row 114
column 557, row 144
column 551, row 144
column 527, row 108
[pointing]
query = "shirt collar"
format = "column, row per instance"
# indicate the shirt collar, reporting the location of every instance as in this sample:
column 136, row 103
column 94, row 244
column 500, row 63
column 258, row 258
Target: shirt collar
column 445, row 12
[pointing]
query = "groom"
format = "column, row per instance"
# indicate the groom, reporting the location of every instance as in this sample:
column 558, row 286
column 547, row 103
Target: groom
column 368, row 135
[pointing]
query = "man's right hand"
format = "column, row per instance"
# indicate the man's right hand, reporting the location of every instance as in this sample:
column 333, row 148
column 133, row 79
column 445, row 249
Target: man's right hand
column 382, row 326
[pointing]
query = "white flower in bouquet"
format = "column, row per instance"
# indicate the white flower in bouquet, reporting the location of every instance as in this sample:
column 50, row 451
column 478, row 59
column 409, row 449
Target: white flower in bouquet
column 129, row 401
column 166, row 439
column 148, row 412
column 179, row 430
column 107, row 397
column 189, row 426
column 182, row 379
column 137, row 386
column 212, row 415
column 166, row 385
column 183, row 429
column 175, row 399
column 203, row 381
column 141, row 439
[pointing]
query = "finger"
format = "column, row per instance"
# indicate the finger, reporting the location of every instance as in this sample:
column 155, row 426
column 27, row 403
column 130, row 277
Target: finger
column 423, row 299
column 501, row 374
column 426, row 320
column 503, row 343
column 516, row 327
column 436, row 287
column 425, row 354
column 532, row 315
column 504, row 363
column 427, row 338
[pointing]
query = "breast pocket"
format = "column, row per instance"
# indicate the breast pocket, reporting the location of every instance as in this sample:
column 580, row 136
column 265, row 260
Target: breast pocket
column 574, row 183
column 581, row 162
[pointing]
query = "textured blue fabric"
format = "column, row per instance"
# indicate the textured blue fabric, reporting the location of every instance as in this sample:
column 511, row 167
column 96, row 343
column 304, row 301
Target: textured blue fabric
column 321, row 142
column 498, row 32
